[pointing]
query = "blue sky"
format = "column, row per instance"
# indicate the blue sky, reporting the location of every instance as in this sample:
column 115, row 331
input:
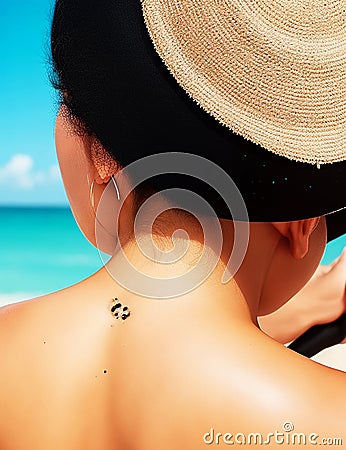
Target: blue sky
column 28, row 165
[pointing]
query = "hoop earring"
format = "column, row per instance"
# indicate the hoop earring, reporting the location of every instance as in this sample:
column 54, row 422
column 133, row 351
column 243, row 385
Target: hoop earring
column 92, row 202
column 116, row 186
column 91, row 192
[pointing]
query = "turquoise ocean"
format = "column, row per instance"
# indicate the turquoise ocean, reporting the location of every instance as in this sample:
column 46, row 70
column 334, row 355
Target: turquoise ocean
column 42, row 250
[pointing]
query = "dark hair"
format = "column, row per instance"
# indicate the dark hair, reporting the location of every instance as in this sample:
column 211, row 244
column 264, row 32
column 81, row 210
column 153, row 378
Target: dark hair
column 86, row 64
column 112, row 81
column 96, row 58
column 116, row 88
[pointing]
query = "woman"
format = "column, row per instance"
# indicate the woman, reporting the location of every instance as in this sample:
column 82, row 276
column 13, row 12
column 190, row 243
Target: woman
column 127, row 358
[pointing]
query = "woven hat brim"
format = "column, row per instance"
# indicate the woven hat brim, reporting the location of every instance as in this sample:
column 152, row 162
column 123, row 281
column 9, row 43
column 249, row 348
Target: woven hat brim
column 272, row 73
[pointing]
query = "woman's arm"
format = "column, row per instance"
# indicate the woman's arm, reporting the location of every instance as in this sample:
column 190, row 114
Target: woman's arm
column 322, row 300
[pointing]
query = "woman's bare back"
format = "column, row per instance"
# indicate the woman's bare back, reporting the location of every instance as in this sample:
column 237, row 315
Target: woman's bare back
column 73, row 377
column 53, row 390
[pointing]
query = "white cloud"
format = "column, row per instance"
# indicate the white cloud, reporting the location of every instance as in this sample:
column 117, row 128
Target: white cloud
column 20, row 173
column 54, row 173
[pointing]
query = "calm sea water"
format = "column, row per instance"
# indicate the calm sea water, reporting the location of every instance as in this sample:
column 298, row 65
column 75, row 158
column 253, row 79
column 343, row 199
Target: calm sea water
column 42, row 250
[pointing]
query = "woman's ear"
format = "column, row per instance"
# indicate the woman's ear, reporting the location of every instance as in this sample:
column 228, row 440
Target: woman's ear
column 104, row 164
column 86, row 169
column 298, row 233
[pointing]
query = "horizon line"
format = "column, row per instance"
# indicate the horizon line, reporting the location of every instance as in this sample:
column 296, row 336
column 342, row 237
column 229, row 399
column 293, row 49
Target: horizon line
column 34, row 206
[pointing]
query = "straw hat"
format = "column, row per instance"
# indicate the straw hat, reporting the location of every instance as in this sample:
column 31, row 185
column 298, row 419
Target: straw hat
column 273, row 72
